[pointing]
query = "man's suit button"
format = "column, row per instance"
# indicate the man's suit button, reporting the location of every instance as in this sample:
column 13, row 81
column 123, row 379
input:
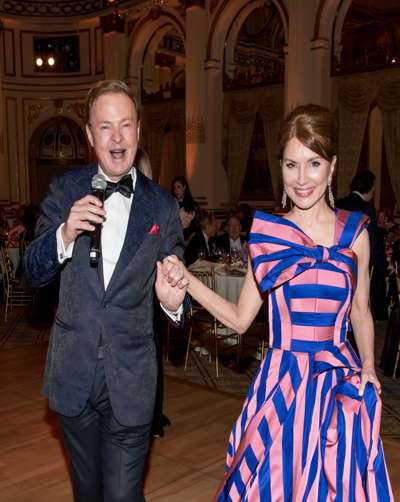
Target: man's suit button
column 106, row 305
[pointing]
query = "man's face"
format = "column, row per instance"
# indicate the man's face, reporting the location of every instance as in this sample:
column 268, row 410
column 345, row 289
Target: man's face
column 113, row 132
column 369, row 195
column 211, row 228
column 233, row 228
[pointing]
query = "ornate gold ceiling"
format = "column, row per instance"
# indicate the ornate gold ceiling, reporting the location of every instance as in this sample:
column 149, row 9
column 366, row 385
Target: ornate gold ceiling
column 60, row 8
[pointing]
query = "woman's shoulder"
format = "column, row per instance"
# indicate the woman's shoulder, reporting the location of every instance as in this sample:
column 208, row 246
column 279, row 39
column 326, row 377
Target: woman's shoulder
column 271, row 221
column 350, row 225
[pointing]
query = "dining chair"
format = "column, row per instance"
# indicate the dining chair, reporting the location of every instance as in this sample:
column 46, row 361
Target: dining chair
column 15, row 294
column 205, row 326
column 199, row 317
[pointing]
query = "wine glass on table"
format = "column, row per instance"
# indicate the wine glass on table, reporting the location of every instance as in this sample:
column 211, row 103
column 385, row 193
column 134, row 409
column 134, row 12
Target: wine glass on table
column 219, row 252
column 235, row 257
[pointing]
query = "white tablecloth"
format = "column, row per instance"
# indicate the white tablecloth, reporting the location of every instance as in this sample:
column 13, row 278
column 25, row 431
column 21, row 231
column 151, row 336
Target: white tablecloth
column 227, row 284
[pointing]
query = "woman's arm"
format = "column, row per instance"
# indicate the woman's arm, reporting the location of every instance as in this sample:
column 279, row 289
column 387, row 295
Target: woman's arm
column 361, row 318
column 237, row 316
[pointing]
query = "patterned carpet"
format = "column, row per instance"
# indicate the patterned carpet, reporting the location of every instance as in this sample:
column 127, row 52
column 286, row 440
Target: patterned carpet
column 22, row 329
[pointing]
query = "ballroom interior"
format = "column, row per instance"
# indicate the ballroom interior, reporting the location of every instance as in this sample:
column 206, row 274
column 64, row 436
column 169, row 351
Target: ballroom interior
column 214, row 80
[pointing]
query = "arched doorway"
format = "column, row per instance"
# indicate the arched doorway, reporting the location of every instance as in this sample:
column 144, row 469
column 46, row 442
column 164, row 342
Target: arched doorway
column 56, row 146
column 254, row 76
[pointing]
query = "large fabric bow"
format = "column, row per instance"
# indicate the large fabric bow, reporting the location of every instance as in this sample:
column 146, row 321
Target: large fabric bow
column 277, row 260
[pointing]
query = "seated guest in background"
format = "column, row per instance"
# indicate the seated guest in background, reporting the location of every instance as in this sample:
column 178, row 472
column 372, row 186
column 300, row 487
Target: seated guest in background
column 224, row 223
column 18, row 227
column 232, row 238
column 189, row 210
column 202, row 244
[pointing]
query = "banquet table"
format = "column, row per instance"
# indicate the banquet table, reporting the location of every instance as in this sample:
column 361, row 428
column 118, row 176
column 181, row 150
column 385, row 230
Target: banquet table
column 228, row 282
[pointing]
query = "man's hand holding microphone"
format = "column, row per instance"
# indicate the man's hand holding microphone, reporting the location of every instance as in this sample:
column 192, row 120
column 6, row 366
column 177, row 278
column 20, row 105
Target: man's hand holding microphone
column 87, row 215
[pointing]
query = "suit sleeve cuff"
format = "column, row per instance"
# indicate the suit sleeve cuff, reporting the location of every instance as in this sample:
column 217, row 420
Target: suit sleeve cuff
column 175, row 316
column 62, row 252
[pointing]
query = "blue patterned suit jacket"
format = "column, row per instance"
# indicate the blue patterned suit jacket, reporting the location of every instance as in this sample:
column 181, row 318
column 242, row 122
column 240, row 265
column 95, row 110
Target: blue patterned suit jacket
column 121, row 317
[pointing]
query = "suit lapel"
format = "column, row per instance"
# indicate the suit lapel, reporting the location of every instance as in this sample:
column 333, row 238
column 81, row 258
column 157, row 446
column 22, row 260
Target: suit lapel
column 141, row 218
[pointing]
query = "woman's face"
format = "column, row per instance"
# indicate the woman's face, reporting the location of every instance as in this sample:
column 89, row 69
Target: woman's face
column 179, row 190
column 305, row 174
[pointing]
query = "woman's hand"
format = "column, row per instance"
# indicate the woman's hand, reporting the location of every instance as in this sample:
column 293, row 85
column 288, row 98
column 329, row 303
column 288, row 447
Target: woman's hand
column 368, row 375
column 171, row 285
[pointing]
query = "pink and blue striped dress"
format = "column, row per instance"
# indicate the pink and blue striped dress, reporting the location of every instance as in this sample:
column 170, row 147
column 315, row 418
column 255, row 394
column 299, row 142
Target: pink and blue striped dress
column 304, row 434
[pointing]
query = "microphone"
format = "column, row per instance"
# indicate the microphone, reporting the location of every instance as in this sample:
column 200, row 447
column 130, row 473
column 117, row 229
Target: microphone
column 99, row 185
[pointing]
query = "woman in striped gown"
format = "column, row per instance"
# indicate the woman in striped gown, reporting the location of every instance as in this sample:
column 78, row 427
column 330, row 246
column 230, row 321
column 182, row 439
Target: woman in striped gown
column 309, row 427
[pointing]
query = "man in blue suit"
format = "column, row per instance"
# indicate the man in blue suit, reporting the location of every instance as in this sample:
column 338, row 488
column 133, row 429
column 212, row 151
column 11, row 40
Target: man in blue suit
column 101, row 364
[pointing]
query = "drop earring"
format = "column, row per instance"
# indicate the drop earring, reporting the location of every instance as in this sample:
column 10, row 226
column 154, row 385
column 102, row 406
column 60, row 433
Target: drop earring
column 284, row 198
column 330, row 195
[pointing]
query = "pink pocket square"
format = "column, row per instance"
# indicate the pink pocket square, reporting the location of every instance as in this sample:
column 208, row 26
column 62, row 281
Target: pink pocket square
column 155, row 229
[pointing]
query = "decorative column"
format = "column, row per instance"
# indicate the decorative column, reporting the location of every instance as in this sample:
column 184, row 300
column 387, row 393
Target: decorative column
column 197, row 170
column 217, row 190
column 115, row 46
column 303, row 77
column 4, row 172
column 321, row 78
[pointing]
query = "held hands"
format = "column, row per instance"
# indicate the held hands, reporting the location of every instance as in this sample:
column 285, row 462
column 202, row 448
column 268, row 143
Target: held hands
column 82, row 215
column 171, row 283
column 368, row 375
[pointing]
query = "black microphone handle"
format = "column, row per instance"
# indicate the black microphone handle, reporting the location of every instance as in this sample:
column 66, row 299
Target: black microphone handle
column 95, row 236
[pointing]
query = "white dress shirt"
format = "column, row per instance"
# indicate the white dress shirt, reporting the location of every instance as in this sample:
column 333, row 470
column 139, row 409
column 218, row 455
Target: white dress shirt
column 206, row 239
column 235, row 244
column 113, row 233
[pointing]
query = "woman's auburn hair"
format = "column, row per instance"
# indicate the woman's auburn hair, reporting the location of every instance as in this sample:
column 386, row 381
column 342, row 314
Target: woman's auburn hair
column 314, row 126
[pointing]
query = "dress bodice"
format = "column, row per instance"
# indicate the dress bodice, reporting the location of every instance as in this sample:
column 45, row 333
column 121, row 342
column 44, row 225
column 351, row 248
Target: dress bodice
column 310, row 287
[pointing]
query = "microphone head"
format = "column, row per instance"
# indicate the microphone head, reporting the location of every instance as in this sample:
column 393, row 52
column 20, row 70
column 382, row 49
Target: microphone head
column 99, row 182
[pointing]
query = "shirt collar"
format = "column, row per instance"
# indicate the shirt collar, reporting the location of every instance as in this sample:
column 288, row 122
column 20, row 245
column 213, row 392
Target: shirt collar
column 360, row 195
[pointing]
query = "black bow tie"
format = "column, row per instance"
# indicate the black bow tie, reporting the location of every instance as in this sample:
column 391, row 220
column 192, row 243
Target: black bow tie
column 124, row 186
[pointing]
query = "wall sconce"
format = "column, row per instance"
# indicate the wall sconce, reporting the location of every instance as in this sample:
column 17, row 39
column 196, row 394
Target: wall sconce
column 48, row 61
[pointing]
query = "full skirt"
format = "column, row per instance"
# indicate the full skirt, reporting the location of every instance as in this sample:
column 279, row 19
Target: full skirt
column 305, row 434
